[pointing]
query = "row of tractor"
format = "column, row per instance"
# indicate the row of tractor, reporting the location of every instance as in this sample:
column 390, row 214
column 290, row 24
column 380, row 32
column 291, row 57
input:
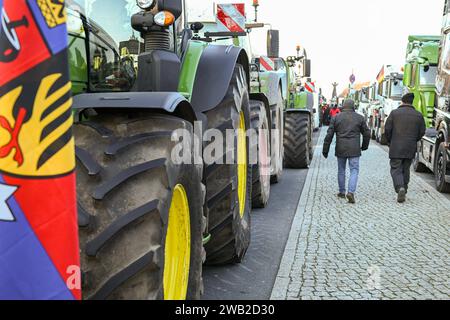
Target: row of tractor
column 426, row 73
column 149, row 77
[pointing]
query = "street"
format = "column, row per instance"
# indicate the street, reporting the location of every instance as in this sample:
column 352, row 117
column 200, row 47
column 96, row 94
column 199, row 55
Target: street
column 376, row 249
column 254, row 278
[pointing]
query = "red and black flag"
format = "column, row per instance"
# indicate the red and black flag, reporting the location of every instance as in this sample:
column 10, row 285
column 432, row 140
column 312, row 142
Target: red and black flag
column 39, row 256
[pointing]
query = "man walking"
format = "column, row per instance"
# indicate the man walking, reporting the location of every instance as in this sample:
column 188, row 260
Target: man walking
column 348, row 126
column 404, row 128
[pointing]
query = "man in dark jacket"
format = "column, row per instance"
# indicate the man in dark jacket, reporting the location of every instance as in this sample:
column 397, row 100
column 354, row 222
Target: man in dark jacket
column 404, row 128
column 348, row 126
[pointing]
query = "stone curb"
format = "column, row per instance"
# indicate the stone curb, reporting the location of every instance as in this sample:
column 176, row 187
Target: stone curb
column 280, row 288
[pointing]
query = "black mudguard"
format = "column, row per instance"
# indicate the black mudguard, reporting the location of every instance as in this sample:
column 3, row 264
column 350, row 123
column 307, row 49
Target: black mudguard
column 214, row 74
column 171, row 102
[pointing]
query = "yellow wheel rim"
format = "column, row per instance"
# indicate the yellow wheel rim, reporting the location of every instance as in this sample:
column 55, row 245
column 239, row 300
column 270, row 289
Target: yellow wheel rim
column 242, row 165
column 177, row 253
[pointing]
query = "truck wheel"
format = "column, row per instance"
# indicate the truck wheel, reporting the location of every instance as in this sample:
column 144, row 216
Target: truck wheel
column 140, row 214
column 441, row 170
column 261, row 170
column 277, row 139
column 418, row 166
column 297, row 140
column 228, row 186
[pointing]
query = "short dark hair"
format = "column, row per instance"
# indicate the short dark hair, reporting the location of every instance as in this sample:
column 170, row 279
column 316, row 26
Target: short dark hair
column 408, row 98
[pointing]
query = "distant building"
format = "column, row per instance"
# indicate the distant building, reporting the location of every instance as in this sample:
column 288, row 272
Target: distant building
column 133, row 46
column 356, row 87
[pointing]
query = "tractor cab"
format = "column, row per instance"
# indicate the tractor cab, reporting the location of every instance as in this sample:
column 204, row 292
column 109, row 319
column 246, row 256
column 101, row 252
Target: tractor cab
column 110, row 50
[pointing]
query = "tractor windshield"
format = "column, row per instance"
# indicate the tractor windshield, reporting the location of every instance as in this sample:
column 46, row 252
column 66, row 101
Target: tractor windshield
column 428, row 75
column 112, row 46
column 114, row 16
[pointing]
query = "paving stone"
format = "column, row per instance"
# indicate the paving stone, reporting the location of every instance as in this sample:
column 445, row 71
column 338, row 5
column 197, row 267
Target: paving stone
column 375, row 249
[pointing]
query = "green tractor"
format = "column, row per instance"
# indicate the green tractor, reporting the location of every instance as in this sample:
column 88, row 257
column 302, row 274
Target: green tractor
column 422, row 55
column 266, row 86
column 298, row 116
column 151, row 212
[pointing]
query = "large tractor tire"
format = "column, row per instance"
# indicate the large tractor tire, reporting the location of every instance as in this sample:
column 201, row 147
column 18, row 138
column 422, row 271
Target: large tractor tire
column 297, row 140
column 261, row 169
column 140, row 214
column 277, row 150
column 229, row 186
column 440, row 169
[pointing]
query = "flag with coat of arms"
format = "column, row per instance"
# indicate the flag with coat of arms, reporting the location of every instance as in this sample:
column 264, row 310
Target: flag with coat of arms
column 39, row 254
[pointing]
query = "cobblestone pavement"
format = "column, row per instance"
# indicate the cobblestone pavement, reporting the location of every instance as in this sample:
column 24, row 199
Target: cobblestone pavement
column 376, row 249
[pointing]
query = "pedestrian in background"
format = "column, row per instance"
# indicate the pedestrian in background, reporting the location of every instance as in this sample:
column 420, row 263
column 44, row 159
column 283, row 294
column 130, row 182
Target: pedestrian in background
column 348, row 127
column 326, row 115
column 334, row 111
column 404, row 128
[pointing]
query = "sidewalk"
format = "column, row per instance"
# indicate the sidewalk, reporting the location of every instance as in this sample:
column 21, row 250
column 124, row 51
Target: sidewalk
column 376, row 249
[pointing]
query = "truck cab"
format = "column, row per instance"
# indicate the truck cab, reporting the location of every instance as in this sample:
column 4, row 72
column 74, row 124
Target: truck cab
column 390, row 92
column 433, row 150
column 364, row 100
column 420, row 73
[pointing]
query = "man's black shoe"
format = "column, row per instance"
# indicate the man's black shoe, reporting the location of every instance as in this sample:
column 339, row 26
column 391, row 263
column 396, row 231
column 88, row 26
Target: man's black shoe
column 341, row 195
column 401, row 195
column 351, row 198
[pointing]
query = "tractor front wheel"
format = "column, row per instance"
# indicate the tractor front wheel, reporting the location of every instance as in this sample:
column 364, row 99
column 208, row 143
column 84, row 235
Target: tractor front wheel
column 297, row 140
column 229, row 183
column 140, row 211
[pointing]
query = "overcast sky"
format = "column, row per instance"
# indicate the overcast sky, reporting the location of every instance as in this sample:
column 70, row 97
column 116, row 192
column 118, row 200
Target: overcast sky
column 341, row 35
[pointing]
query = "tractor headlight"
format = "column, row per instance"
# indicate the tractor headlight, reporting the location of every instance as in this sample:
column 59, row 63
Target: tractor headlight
column 146, row 4
column 164, row 18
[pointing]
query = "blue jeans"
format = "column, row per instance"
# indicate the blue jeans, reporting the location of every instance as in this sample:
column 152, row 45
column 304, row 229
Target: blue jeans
column 354, row 172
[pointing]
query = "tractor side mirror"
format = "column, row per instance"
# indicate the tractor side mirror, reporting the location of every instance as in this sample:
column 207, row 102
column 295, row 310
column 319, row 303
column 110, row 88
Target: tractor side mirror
column 273, row 43
column 307, row 68
column 173, row 6
column 407, row 74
